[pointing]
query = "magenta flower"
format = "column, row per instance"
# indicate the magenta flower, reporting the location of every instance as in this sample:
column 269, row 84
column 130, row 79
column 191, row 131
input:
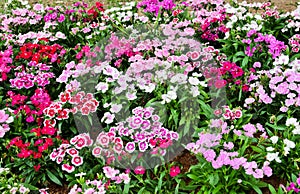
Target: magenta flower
column 174, row 171
column 139, row 170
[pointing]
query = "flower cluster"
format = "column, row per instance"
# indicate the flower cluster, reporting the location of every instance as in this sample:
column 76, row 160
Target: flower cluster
column 146, row 132
column 10, row 183
column 5, row 120
column 294, row 186
column 5, row 63
column 115, row 175
column 40, row 101
column 209, row 22
column 281, row 82
column 82, row 102
column 95, row 186
column 20, row 17
column 70, row 151
column 156, row 6
column 226, row 157
column 294, row 41
column 35, row 74
column 41, row 53
column 228, row 73
column 256, row 43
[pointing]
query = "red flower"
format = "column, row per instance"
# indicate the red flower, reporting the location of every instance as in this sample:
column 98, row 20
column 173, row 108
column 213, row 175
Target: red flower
column 37, row 155
column 245, row 88
column 64, row 97
column 93, row 12
column 37, row 131
column 37, row 167
column 174, row 171
column 43, row 148
column 99, row 6
column 48, row 131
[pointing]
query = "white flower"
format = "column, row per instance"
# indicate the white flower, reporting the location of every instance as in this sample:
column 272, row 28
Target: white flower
column 258, row 17
column 102, row 86
column 249, row 100
column 108, row 117
column 274, row 139
column 273, row 156
column 149, row 88
column 10, row 120
column 60, row 35
column 115, row 108
column 297, row 130
column 4, row 170
column 194, row 81
column 291, row 121
column 289, row 143
column 171, row 95
column 203, row 83
column 270, row 149
column 80, row 174
column 283, row 59
column 179, row 78
column 234, row 18
column 195, row 91
column 286, row 151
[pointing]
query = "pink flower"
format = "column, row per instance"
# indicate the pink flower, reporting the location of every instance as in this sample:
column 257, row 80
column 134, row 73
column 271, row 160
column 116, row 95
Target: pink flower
column 77, row 160
column 89, row 191
column 257, row 65
column 125, row 178
column 96, row 151
column 38, row 7
column 130, row 147
column 110, row 172
column 267, row 171
column 174, row 171
column 3, row 116
column 220, row 83
column 103, row 139
column 139, row 170
column 72, row 151
column 68, row 168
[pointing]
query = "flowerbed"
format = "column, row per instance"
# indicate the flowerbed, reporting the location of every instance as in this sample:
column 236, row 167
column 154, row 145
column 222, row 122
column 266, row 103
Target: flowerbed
column 107, row 100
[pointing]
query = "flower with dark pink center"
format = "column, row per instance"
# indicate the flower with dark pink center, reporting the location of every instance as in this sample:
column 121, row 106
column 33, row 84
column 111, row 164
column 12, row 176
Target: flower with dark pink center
column 68, row 168
column 77, row 160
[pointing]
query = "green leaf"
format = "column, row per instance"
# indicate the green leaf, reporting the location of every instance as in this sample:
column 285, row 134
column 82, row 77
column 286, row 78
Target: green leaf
column 53, row 177
column 162, row 175
column 192, row 176
column 217, row 189
column 126, row 188
column 256, row 149
column 214, row 179
column 281, row 128
column 240, row 53
column 245, row 62
column 29, row 186
column 272, row 189
column 257, row 189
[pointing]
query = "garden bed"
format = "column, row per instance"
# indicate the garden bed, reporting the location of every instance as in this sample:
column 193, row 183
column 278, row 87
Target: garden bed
column 150, row 97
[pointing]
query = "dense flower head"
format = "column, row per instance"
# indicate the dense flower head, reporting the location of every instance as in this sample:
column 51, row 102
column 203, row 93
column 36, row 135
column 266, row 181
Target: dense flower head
column 5, row 63
column 154, row 6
